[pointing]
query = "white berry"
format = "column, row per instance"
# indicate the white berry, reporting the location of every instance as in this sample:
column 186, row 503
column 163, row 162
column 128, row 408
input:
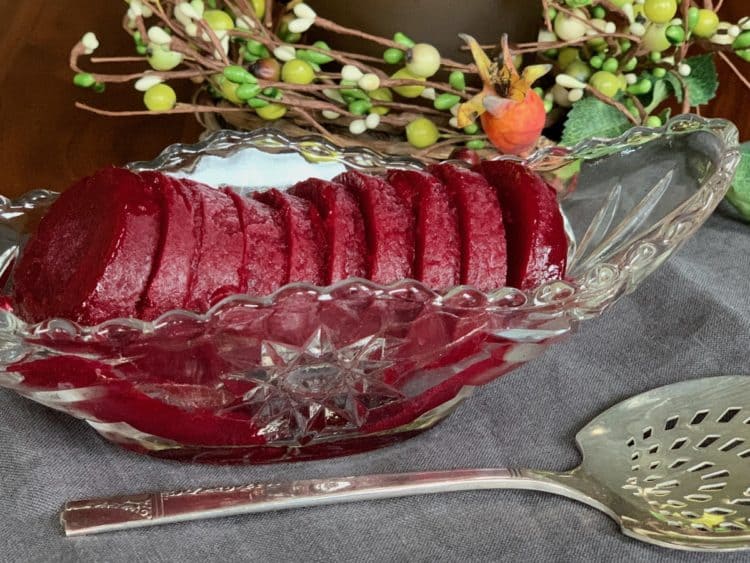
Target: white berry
column 423, row 60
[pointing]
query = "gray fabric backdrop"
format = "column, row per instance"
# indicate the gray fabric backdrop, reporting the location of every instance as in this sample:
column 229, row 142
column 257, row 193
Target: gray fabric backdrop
column 690, row 319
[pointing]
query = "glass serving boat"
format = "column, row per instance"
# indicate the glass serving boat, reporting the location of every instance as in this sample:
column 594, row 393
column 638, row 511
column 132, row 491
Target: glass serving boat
column 313, row 372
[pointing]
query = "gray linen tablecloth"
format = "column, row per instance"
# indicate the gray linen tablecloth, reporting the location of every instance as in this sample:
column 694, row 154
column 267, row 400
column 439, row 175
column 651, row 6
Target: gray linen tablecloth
column 690, row 319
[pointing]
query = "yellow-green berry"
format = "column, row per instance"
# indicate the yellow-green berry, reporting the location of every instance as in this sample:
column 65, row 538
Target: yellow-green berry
column 422, row 133
column 159, row 98
column 408, row 90
column 297, row 71
column 271, row 112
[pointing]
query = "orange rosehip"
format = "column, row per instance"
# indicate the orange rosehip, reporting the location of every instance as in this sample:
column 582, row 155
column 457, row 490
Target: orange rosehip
column 512, row 114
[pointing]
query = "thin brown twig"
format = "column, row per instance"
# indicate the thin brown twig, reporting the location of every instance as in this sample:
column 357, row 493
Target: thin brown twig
column 612, row 102
column 336, row 28
column 734, row 68
column 179, row 108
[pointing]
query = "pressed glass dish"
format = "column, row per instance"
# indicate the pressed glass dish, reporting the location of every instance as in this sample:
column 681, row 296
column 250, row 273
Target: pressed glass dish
column 311, row 372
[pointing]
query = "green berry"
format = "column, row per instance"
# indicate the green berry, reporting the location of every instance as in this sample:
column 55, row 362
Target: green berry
column 606, row 83
column 272, row 92
column 238, row 75
column 630, row 64
column 596, row 61
column 655, row 56
column 706, row 24
column 551, row 13
column 257, row 103
column 660, row 72
column 598, row 12
column 99, row 87
column 218, row 20
column 141, row 49
column 422, row 133
column 457, row 80
column 271, row 112
column 408, row 90
column 255, row 47
column 316, row 57
column 742, row 41
column 476, row 144
column 360, row 107
column 393, row 56
column 297, row 71
column 641, row 87
column 625, row 45
column 351, row 94
column 446, row 101
column 675, row 34
column 471, row 129
column 660, row 11
column 247, row 91
column 744, row 54
column 84, row 80
column 653, row 121
column 402, row 39
column 159, row 97
column 610, row 65
column 423, row 60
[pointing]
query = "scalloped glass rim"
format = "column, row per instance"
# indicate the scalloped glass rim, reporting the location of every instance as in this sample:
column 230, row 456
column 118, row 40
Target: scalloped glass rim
column 600, row 284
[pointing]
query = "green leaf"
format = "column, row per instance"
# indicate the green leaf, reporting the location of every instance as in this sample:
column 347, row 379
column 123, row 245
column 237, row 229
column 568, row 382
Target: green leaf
column 590, row 117
column 660, row 92
column 739, row 193
column 674, row 82
column 703, row 81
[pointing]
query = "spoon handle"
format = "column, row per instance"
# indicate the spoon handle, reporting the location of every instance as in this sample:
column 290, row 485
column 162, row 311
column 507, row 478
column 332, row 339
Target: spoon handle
column 151, row 509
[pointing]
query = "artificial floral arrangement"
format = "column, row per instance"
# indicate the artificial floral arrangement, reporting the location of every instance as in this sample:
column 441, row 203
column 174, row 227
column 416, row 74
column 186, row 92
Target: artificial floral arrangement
column 600, row 67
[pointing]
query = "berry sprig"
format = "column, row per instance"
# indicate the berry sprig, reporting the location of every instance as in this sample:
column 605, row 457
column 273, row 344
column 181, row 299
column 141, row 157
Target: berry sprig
column 622, row 60
column 250, row 62
column 633, row 55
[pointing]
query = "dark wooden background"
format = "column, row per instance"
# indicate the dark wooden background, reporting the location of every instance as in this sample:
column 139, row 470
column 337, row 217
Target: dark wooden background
column 46, row 142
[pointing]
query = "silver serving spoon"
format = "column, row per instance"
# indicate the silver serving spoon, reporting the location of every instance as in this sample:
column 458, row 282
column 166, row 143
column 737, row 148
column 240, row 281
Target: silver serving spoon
column 671, row 466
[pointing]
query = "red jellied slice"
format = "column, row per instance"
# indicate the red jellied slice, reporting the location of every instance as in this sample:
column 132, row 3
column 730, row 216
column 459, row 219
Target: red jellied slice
column 306, row 250
column 537, row 245
column 438, row 244
column 343, row 224
column 483, row 252
column 217, row 272
column 172, row 272
column 93, row 252
column 265, row 264
column 389, row 227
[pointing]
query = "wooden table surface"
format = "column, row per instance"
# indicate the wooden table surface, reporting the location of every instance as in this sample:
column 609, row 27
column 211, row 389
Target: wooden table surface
column 46, row 142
